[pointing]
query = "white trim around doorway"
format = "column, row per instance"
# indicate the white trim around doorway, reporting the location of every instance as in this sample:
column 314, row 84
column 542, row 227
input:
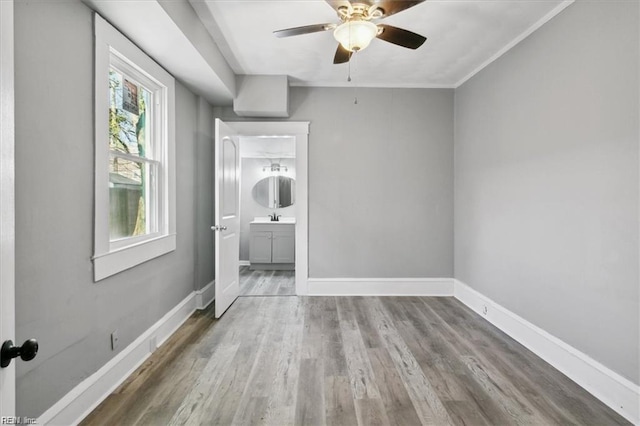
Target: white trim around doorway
column 299, row 130
column 7, row 203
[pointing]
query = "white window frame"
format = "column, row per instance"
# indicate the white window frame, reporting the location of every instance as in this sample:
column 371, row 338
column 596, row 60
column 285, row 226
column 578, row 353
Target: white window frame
column 111, row 257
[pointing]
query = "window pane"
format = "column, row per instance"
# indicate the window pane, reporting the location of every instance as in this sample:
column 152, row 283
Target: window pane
column 128, row 198
column 129, row 115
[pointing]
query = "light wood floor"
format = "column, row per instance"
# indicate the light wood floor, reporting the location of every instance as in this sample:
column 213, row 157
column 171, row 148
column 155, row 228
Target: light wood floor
column 267, row 283
column 347, row 361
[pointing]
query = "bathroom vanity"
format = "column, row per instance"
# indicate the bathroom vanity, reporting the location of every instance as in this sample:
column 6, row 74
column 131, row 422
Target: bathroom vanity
column 272, row 244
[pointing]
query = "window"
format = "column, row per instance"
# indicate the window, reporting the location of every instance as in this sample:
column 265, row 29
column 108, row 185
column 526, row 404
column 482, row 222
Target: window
column 135, row 155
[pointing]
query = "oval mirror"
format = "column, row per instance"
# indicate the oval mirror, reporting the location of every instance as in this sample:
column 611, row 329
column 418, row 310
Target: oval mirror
column 275, row 192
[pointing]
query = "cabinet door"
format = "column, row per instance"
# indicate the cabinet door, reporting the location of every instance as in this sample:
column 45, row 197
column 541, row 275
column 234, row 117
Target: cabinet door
column 283, row 247
column 260, row 247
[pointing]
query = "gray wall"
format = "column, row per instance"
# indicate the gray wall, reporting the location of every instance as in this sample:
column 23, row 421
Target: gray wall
column 205, row 264
column 57, row 301
column 380, row 181
column 251, row 169
column 546, row 191
column 546, row 194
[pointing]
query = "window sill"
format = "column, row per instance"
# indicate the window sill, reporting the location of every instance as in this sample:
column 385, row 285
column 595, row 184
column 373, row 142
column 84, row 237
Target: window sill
column 108, row 264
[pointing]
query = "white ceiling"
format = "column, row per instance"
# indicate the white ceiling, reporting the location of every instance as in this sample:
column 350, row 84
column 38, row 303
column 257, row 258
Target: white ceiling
column 463, row 36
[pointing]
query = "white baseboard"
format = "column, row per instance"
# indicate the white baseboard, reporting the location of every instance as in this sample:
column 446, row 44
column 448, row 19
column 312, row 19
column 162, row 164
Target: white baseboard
column 244, row 263
column 86, row 396
column 205, row 295
column 620, row 394
column 380, row 286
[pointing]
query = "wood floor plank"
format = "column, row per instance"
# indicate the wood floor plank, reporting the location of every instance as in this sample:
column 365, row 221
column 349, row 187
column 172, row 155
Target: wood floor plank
column 221, row 406
column 281, row 404
column 333, row 356
column 312, row 338
column 266, row 283
column 265, row 369
column 192, row 408
column 168, row 400
column 146, row 383
column 358, row 366
column 505, row 394
column 285, row 382
column 396, row 400
column 340, row 407
column 310, row 405
column 368, row 330
column 465, row 413
column 425, row 400
column 547, row 389
column 499, row 390
column 429, row 354
column 235, row 315
column 495, row 398
column 346, row 361
column 371, row 412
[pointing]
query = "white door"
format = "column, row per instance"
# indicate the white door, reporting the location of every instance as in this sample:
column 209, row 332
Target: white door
column 7, row 228
column 227, row 217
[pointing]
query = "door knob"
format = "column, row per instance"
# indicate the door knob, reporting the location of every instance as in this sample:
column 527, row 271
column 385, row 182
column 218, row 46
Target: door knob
column 219, row 228
column 26, row 352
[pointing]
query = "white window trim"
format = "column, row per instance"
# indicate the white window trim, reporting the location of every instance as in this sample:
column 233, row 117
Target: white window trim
column 113, row 257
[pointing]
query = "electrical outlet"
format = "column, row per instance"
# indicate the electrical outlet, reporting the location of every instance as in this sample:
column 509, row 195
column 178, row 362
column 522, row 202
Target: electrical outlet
column 115, row 340
column 153, row 344
column 484, row 309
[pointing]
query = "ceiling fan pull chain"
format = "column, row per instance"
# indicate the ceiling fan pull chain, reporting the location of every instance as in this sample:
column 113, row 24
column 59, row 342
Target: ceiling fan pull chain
column 349, row 62
column 355, row 86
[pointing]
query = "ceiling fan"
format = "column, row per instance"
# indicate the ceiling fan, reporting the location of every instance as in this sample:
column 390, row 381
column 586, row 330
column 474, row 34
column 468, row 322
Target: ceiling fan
column 356, row 29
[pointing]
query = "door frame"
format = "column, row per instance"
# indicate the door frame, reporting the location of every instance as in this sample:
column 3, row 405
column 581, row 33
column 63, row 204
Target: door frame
column 7, row 203
column 300, row 131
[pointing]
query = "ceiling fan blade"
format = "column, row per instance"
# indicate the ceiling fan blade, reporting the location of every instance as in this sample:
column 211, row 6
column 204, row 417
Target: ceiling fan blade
column 307, row 29
column 401, row 37
column 342, row 55
column 389, row 7
column 338, row 3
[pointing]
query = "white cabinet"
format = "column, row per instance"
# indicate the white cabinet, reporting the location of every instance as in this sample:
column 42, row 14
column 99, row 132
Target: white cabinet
column 260, row 247
column 272, row 246
column 282, row 246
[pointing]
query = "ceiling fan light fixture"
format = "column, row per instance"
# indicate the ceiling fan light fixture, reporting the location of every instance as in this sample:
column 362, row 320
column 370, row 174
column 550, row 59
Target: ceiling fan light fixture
column 355, row 35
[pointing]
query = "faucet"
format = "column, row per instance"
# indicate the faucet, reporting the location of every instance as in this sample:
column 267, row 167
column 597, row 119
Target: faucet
column 274, row 217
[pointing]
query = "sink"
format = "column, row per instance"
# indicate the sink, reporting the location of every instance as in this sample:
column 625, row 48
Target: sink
column 261, row 219
column 267, row 219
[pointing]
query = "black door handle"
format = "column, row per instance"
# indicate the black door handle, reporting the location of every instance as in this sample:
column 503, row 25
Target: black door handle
column 26, row 352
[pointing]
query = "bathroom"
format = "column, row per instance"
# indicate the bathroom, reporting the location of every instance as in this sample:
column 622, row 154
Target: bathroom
column 267, row 215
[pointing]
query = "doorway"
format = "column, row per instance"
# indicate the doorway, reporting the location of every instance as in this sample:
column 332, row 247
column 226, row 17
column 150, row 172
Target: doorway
column 275, row 154
column 267, row 215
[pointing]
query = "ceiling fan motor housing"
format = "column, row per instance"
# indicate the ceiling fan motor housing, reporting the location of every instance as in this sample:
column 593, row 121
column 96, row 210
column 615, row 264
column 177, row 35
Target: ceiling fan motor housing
column 359, row 11
column 356, row 30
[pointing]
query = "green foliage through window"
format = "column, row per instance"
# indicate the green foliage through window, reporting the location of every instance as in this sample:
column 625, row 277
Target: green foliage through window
column 128, row 139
